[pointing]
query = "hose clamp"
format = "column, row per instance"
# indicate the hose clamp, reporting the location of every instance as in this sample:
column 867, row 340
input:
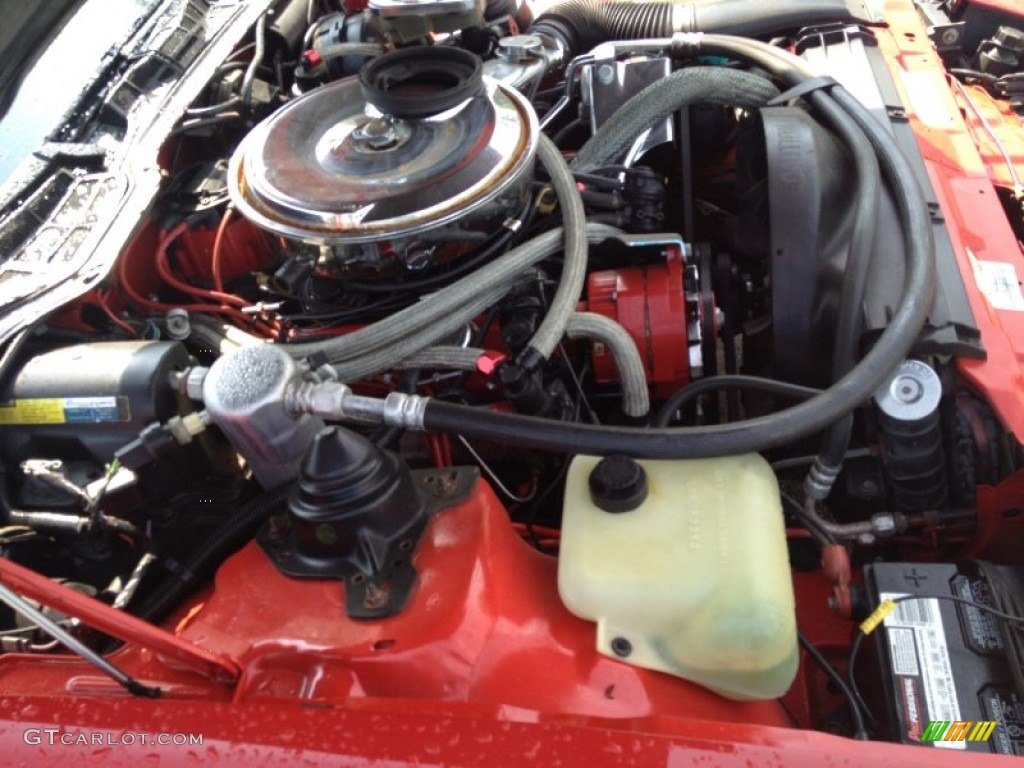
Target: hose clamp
column 687, row 43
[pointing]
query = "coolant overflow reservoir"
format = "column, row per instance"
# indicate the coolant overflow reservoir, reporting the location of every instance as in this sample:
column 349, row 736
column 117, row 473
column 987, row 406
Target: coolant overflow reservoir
column 690, row 576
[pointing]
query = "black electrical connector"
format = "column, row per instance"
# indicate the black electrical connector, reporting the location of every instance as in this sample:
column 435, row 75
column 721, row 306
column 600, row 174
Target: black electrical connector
column 645, row 195
column 154, row 442
column 526, row 391
column 158, row 440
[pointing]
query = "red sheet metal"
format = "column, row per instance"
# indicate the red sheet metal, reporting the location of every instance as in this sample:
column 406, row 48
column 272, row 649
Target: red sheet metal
column 394, row 733
column 962, row 177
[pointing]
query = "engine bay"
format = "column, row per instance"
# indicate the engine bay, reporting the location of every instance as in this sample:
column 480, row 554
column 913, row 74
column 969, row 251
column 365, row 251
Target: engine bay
column 652, row 362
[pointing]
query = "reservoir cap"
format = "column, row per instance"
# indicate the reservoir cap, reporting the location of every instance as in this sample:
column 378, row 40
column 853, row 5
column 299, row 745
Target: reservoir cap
column 618, row 484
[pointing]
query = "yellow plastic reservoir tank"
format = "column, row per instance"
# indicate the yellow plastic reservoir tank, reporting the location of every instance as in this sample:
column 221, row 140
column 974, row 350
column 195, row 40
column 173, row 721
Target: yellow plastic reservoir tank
column 684, row 567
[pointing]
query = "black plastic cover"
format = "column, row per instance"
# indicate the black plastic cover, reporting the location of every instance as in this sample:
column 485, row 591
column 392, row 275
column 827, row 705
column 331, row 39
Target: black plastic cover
column 351, row 500
column 811, row 216
column 951, row 330
column 801, row 173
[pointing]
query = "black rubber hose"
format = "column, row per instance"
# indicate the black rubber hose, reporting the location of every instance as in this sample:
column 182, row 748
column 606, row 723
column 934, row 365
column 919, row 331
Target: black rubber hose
column 249, row 79
column 867, row 191
column 285, row 33
column 695, row 389
column 583, row 24
column 808, row 418
column 233, row 533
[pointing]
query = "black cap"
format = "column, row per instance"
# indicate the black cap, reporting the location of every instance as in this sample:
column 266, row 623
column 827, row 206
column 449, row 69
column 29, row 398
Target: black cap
column 1010, row 37
column 618, row 484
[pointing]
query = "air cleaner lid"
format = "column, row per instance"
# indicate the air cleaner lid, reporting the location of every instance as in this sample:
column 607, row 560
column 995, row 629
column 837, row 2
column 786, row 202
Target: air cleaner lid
column 330, row 168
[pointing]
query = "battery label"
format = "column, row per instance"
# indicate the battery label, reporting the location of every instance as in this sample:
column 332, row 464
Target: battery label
column 919, row 622
column 66, row 410
column 904, row 652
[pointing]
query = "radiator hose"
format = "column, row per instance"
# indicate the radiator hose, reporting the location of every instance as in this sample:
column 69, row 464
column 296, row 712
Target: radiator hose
column 579, row 25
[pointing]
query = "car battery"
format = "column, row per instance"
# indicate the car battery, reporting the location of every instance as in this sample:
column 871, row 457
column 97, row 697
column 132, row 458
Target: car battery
column 947, row 662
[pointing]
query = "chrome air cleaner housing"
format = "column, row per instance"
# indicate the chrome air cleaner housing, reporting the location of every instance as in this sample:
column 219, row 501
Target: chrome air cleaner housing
column 420, row 151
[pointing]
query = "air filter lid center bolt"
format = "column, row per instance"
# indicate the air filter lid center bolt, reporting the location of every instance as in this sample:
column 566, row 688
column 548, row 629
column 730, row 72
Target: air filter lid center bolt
column 379, row 133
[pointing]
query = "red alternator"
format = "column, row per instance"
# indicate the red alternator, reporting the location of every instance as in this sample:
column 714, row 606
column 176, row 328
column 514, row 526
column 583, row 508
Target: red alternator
column 659, row 305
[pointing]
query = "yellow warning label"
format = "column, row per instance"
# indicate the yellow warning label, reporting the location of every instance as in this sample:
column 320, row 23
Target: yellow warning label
column 42, row 411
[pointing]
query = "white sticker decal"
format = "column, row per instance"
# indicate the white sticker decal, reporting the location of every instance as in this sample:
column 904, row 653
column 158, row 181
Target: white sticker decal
column 89, row 402
column 903, row 651
column 998, row 281
column 930, row 102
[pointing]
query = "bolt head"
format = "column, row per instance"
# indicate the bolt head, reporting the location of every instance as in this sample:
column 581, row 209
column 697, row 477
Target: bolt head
column 621, row 647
